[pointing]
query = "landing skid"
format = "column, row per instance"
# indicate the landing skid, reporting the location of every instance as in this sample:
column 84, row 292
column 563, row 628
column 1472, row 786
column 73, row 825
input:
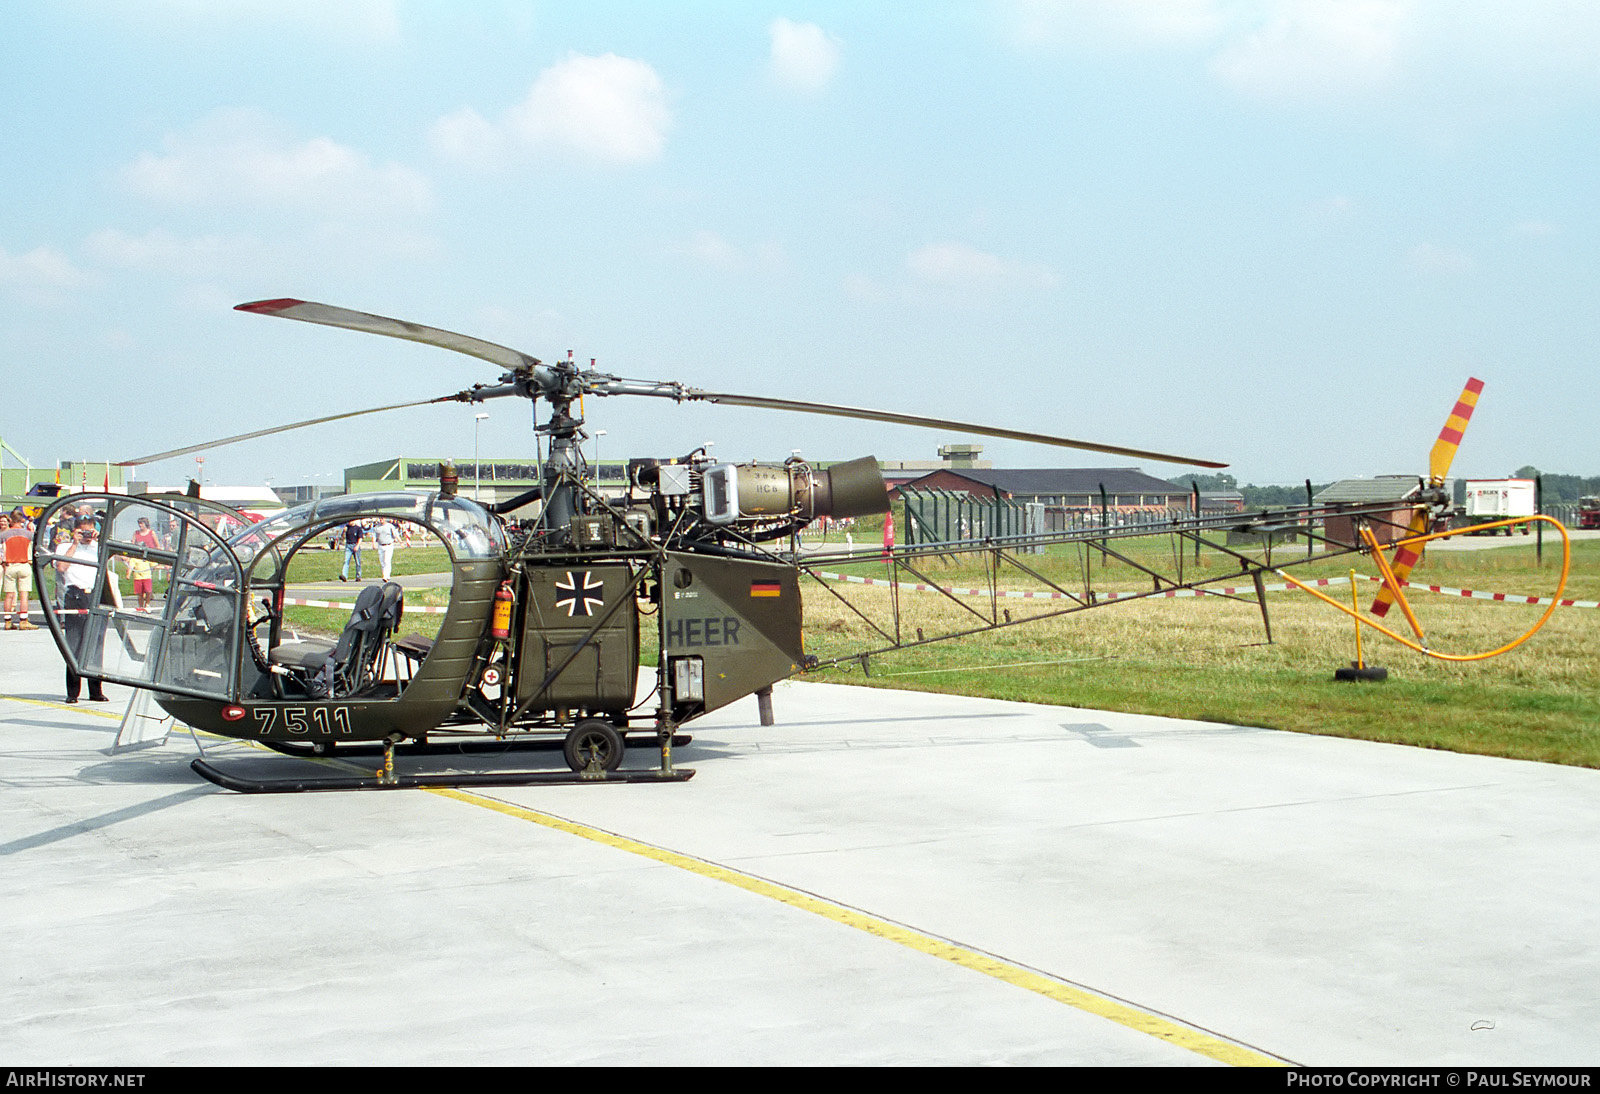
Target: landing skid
column 243, row 785
column 444, row 748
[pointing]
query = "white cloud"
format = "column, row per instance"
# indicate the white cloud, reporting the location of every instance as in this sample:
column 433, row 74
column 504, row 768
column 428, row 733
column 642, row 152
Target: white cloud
column 161, row 251
column 956, row 264
column 531, row 327
column 324, row 246
column 1315, row 48
column 373, row 21
column 1113, row 23
column 1339, row 209
column 866, row 290
column 40, row 268
column 1432, row 258
column 1299, row 50
column 945, row 272
column 608, row 109
column 1535, row 229
column 804, row 57
column 206, row 298
column 1535, row 46
column 711, row 249
column 467, row 137
column 241, row 156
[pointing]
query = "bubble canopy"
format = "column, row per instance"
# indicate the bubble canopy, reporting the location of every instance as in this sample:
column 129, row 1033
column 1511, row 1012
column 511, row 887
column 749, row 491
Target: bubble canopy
column 467, row 529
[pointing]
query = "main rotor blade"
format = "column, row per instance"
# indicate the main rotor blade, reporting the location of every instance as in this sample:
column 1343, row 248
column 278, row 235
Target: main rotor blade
column 329, row 316
column 278, row 429
column 543, row 379
column 935, row 423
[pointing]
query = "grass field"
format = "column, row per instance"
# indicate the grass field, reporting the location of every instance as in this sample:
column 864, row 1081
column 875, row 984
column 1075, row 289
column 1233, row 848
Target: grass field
column 309, row 566
column 318, row 566
column 1206, row 658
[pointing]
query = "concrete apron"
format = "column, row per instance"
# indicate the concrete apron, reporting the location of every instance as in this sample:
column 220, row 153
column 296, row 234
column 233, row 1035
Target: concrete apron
column 881, row 877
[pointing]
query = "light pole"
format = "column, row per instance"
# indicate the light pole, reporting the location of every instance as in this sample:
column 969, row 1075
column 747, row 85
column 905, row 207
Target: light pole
column 477, row 469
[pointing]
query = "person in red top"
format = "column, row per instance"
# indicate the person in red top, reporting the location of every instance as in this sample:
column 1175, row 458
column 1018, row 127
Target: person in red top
column 140, row 570
column 16, row 575
column 145, row 536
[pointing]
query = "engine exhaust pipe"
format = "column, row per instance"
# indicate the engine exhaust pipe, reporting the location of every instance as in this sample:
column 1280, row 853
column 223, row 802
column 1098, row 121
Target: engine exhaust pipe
column 853, row 489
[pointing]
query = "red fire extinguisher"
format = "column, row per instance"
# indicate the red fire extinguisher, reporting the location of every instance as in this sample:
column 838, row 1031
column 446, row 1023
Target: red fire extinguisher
column 500, row 627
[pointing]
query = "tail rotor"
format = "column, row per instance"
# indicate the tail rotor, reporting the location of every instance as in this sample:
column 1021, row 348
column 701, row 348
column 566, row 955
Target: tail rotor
column 1439, row 460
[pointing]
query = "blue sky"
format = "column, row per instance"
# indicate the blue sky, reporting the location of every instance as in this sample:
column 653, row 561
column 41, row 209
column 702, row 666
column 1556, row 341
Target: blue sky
column 1279, row 233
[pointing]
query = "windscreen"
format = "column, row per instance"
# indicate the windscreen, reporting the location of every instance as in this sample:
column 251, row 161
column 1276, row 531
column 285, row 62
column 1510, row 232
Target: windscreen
column 142, row 592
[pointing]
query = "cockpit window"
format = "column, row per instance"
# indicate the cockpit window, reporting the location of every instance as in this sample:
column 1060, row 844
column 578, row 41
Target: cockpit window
column 466, row 527
column 190, row 607
column 470, row 532
column 185, row 641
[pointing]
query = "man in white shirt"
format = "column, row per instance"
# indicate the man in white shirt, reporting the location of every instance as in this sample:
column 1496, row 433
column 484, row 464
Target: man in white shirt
column 385, row 536
column 78, row 565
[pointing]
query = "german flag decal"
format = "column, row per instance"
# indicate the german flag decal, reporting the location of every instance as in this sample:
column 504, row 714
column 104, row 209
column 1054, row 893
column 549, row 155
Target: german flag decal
column 765, row 588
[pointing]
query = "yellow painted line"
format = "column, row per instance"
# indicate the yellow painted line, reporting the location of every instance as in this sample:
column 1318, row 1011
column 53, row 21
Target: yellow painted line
column 1165, row 1029
column 78, row 708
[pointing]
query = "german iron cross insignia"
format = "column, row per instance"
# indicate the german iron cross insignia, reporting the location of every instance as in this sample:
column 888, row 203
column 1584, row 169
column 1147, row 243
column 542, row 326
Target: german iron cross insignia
column 580, row 598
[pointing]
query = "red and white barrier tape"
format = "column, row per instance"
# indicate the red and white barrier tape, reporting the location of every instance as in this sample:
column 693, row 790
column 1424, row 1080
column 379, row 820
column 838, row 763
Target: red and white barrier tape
column 1505, row 598
column 347, row 605
column 1248, row 590
column 1017, row 594
column 351, row 604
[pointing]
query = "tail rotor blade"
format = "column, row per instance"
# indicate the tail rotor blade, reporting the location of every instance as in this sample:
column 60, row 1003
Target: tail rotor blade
column 1439, row 460
column 1444, row 449
column 1404, row 559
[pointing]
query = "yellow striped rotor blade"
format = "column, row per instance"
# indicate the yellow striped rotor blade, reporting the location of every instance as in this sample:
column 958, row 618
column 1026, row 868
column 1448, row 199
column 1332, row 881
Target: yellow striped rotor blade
column 1444, row 449
column 1439, row 460
column 1404, row 559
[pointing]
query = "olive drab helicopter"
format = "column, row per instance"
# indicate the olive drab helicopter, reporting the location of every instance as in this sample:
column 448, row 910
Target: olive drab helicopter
column 540, row 641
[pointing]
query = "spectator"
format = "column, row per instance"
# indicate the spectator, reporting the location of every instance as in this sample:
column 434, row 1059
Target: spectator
column 352, row 549
column 16, row 575
column 78, row 567
column 385, row 536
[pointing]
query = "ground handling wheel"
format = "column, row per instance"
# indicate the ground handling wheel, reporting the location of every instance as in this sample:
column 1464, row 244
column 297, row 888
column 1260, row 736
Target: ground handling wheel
column 593, row 744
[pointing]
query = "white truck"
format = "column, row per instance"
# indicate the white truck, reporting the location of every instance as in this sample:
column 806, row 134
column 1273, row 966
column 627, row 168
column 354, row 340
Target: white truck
column 1499, row 499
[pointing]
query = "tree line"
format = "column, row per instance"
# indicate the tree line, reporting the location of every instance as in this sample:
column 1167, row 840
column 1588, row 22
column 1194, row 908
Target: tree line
column 1255, row 497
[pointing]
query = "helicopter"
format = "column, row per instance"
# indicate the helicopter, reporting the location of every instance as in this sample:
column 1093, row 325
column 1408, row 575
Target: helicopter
column 541, row 637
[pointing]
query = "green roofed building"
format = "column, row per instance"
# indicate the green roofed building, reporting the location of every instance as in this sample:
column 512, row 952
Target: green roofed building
column 74, row 475
column 496, row 479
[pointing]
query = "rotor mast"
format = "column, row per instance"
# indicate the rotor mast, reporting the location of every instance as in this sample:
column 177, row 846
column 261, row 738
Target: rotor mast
column 564, row 468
